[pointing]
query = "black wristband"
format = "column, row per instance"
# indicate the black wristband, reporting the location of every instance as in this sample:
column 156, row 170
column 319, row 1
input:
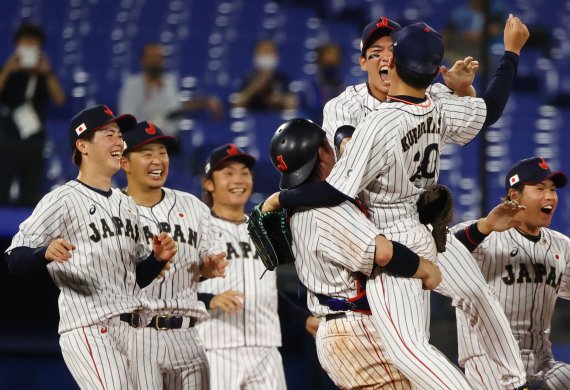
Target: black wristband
column 470, row 237
column 206, row 298
column 341, row 133
column 404, row 262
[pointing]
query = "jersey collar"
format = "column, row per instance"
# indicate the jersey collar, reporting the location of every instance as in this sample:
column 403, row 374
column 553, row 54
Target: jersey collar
column 106, row 194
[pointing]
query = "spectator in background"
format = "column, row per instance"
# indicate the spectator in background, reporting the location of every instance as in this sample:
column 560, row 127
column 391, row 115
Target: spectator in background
column 27, row 85
column 153, row 94
column 266, row 88
column 326, row 84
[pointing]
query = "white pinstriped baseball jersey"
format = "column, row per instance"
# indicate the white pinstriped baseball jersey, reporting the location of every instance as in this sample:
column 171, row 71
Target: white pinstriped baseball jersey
column 354, row 104
column 527, row 278
column 187, row 220
column 394, row 154
column 328, row 254
column 99, row 281
column 467, row 290
column 257, row 324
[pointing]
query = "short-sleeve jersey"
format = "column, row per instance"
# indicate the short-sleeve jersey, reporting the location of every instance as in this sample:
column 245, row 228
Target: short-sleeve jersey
column 329, row 256
column 527, row 278
column 187, row 220
column 99, row 281
column 395, row 152
column 258, row 323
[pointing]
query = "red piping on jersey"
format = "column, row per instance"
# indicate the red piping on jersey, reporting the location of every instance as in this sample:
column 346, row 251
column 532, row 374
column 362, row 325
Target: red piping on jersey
column 469, row 237
column 382, row 362
column 404, row 343
column 360, row 294
column 479, row 373
column 360, row 205
column 424, row 105
column 92, row 359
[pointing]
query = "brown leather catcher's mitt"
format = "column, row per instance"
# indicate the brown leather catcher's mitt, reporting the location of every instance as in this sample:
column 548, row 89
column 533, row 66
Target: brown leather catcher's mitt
column 435, row 207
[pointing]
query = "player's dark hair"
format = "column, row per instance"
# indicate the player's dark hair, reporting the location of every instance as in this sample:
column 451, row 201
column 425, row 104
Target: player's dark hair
column 207, row 197
column 30, row 30
column 76, row 156
column 518, row 188
column 414, row 79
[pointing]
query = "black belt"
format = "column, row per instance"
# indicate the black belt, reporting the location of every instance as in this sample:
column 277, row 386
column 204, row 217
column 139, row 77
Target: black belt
column 159, row 322
column 334, row 316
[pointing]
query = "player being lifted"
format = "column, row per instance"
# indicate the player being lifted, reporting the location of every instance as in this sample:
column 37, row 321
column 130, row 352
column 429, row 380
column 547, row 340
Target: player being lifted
column 528, row 266
column 395, row 158
column 243, row 334
column 166, row 352
column 333, row 262
column 88, row 237
column 464, row 284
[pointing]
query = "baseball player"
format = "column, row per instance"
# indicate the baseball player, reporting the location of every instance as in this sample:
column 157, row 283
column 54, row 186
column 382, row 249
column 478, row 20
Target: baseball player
column 464, row 284
column 243, row 333
column 398, row 157
column 88, row 237
column 334, row 261
column 528, row 267
column 167, row 353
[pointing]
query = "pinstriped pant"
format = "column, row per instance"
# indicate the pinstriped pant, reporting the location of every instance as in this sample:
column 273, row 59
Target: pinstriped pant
column 464, row 283
column 168, row 359
column 399, row 310
column 351, row 353
column 246, row 368
column 97, row 357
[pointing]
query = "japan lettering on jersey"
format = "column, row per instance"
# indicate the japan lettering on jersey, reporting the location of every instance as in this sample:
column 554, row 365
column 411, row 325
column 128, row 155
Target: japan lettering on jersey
column 258, row 323
column 187, row 220
column 527, row 278
column 99, row 281
column 329, row 256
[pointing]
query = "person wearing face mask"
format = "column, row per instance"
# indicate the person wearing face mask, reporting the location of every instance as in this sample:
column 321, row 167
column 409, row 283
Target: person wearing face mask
column 528, row 266
column 266, row 88
column 27, row 85
column 154, row 94
column 326, row 84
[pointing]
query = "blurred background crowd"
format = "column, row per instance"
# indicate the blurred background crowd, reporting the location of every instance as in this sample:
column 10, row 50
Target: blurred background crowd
column 219, row 71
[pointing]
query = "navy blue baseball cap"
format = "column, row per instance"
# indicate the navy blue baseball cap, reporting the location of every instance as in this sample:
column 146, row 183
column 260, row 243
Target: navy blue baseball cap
column 532, row 171
column 376, row 30
column 418, row 48
column 225, row 153
column 94, row 118
column 143, row 133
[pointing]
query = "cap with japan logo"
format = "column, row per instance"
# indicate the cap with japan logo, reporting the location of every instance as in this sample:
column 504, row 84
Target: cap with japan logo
column 94, row 118
column 533, row 171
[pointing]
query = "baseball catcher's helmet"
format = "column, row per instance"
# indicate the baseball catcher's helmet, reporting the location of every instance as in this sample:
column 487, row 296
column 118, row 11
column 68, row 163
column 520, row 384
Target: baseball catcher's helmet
column 294, row 148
